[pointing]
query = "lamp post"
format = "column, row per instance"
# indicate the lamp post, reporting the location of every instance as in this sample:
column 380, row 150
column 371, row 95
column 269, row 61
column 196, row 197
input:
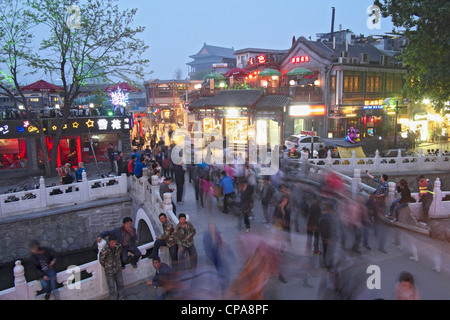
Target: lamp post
column 139, row 119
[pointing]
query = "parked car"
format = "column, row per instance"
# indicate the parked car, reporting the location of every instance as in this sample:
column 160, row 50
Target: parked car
column 303, row 141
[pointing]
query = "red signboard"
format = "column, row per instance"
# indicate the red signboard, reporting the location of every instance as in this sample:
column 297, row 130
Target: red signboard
column 308, row 133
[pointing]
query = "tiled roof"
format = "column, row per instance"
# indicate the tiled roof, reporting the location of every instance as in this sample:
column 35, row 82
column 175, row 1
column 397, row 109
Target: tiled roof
column 237, row 98
column 259, row 50
column 215, row 51
column 199, row 103
column 273, row 102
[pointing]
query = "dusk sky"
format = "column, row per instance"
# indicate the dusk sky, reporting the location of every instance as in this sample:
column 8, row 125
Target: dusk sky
column 176, row 29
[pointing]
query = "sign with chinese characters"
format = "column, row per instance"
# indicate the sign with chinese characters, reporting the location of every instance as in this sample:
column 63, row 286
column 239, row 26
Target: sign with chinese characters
column 259, row 59
column 300, row 59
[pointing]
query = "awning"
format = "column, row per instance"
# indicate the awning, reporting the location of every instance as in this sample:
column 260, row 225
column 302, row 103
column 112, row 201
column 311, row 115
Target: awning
column 299, row 72
column 269, row 73
column 348, row 152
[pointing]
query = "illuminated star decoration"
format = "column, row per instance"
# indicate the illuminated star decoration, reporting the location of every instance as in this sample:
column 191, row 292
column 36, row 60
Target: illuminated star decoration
column 75, row 125
column 65, row 127
column 90, row 123
column 54, row 128
column 119, row 97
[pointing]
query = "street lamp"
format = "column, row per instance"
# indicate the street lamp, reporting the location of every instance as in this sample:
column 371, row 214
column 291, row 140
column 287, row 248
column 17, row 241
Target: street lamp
column 139, row 119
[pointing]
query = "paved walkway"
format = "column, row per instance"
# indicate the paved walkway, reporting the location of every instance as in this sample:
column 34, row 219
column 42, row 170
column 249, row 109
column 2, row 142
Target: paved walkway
column 304, row 273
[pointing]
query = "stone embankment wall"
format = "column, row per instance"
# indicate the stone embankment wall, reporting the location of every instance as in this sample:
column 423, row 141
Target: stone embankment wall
column 64, row 229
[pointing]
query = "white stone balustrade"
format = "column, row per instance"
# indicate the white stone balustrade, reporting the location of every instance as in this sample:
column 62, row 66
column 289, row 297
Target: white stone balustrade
column 388, row 165
column 13, row 204
column 95, row 286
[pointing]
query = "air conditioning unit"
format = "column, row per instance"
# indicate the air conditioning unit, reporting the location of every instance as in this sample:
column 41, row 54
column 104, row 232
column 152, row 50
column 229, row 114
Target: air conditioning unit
column 355, row 60
column 344, row 54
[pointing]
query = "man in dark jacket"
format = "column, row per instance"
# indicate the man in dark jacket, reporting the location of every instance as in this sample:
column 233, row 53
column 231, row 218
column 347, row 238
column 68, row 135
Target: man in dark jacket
column 179, row 181
column 245, row 201
column 127, row 237
column 44, row 259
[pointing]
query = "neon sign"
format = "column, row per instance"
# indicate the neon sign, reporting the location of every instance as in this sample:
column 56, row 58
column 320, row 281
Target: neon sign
column 261, row 59
column 300, row 59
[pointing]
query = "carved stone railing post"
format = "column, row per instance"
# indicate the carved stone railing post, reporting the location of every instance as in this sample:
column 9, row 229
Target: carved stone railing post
column 155, row 192
column 84, row 186
column 377, row 161
column 391, row 194
column 20, row 283
column 420, row 159
column 436, row 208
column 329, row 160
column 42, row 193
column 167, row 202
column 356, row 181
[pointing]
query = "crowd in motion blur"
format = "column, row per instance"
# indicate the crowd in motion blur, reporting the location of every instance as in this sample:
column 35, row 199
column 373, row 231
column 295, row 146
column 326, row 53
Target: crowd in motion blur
column 293, row 226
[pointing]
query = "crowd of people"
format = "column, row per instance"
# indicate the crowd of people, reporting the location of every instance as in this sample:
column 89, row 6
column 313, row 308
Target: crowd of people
column 325, row 212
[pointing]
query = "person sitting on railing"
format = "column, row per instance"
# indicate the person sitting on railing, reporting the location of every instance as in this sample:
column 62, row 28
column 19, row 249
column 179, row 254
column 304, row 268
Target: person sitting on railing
column 44, row 259
column 126, row 235
column 401, row 202
column 166, row 239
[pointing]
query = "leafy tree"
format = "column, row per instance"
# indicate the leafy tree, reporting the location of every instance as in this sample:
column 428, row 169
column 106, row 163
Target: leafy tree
column 82, row 40
column 427, row 56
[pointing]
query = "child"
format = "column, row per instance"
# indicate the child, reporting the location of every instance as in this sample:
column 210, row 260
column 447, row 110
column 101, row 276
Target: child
column 405, row 288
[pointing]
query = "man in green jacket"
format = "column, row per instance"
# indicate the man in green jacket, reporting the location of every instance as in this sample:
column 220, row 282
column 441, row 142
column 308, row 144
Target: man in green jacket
column 109, row 259
column 184, row 235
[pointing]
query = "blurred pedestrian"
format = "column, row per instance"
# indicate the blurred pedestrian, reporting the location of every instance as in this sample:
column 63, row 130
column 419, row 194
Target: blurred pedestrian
column 110, row 260
column 245, row 203
column 406, row 288
column 258, row 280
column 217, row 253
column 267, row 193
column 43, row 259
column 377, row 206
column 312, row 228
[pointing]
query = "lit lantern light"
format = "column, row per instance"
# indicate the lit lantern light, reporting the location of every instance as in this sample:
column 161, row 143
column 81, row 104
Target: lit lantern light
column 265, row 84
column 292, row 83
column 317, row 83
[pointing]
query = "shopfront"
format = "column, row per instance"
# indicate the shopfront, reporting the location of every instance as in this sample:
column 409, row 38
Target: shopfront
column 83, row 140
